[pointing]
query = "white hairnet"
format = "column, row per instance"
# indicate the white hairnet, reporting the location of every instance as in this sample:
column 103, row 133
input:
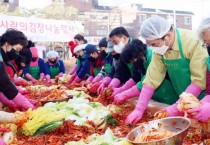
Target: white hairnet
column 79, row 47
column 52, row 54
column 204, row 26
column 154, row 28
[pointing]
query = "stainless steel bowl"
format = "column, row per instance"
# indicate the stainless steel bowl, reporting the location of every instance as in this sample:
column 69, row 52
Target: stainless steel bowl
column 179, row 125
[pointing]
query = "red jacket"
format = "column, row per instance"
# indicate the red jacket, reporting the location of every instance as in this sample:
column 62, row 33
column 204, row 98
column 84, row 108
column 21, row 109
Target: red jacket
column 98, row 64
column 12, row 69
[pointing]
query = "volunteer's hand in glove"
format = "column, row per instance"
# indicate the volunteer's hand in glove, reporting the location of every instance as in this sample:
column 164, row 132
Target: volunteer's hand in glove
column 2, row 142
column 94, row 87
column 48, row 78
column 41, row 77
column 72, row 78
column 201, row 113
column 104, row 84
column 125, row 95
column 8, row 102
column 22, row 90
column 28, row 76
column 115, row 92
column 20, row 81
column 145, row 96
column 22, row 102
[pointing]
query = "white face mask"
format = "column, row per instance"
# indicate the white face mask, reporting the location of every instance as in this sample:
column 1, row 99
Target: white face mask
column 119, row 48
column 160, row 50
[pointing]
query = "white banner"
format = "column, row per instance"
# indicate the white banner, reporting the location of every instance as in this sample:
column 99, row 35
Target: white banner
column 42, row 29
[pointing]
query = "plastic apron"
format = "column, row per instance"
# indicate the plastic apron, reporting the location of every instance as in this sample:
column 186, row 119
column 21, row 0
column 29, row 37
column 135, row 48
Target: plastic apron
column 107, row 66
column 34, row 71
column 179, row 70
column 96, row 71
column 54, row 71
column 165, row 93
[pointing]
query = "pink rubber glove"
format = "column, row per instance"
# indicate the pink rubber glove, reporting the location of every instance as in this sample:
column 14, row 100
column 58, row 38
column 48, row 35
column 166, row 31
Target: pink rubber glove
column 201, row 113
column 60, row 74
column 8, row 102
column 22, row 102
column 28, row 76
column 21, row 90
column 97, row 79
column 73, row 69
column 130, row 83
column 90, row 78
column 72, row 78
column 19, row 80
column 206, row 99
column 104, row 84
column 77, row 79
column 173, row 111
column 2, row 142
column 125, row 95
column 194, row 89
column 145, row 96
column 48, row 78
column 41, row 76
column 114, row 83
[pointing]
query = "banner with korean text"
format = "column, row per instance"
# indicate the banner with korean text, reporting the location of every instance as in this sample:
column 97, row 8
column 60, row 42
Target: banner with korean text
column 42, row 29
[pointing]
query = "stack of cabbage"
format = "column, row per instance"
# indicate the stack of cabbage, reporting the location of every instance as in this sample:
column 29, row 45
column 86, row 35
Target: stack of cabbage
column 41, row 117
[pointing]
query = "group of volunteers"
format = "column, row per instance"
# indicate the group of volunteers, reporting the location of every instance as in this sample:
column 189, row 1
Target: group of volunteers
column 171, row 62
column 19, row 62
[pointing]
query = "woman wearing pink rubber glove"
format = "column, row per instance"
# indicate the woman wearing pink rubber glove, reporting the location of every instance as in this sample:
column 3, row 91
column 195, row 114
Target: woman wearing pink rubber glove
column 114, row 60
column 72, row 47
column 35, row 70
column 179, row 52
column 202, row 113
column 78, row 40
column 12, row 40
column 106, row 56
column 133, row 52
column 54, row 66
column 83, row 63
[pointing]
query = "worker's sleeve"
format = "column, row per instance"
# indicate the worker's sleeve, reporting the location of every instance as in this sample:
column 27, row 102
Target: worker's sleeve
column 41, row 65
column 112, row 72
column 62, row 67
column 85, row 69
column 6, row 86
column 26, row 69
column 198, row 68
column 156, row 72
column 122, row 72
column 47, row 68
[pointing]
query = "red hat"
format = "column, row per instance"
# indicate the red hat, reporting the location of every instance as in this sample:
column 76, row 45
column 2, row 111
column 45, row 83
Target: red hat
column 72, row 45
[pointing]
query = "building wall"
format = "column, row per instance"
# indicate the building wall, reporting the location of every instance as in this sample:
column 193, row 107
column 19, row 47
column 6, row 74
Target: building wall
column 101, row 22
column 81, row 5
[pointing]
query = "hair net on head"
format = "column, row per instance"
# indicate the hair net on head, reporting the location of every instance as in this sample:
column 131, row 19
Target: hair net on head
column 154, row 28
column 52, row 54
column 204, row 26
column 79, row 47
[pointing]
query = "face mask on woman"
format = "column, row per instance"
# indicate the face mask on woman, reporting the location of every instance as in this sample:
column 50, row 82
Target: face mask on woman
column 103, row 54
column 34, row 59
column 13, row 54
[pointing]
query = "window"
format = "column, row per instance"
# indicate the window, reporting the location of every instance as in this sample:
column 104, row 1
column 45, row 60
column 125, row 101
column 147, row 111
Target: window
column 101, row 32
column 143, row 17
column 187, row 20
